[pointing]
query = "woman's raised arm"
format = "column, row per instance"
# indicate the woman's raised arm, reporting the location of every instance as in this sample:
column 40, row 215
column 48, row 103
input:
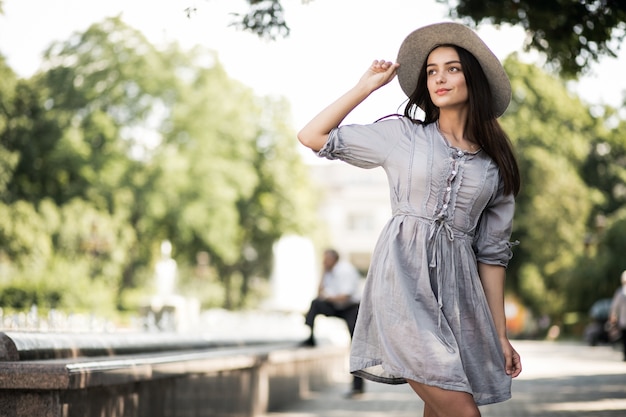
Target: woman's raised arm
column 315, row 133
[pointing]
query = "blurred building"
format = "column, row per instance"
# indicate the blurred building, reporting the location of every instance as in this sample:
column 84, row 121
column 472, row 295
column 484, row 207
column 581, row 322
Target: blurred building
column 354, row 207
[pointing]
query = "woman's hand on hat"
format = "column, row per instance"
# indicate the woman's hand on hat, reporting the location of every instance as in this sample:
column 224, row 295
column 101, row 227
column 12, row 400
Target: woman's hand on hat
column 379, row 74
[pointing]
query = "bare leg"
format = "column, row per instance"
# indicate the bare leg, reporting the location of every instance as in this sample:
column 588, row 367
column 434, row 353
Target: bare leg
column 428, row 411
column 445, row 403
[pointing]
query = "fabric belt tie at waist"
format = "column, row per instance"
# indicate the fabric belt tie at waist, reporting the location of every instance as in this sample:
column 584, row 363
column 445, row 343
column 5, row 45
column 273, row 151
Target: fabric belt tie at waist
column 437, row 226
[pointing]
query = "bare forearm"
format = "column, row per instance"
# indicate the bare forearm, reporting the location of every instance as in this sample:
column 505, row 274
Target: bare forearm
column 315, row 133
column 338, row 299
column 492, row 278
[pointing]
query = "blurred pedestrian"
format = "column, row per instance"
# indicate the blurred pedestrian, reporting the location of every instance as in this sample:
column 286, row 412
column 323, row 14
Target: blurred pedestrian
column 432, row 312
column 617, row 316
column 339, row 293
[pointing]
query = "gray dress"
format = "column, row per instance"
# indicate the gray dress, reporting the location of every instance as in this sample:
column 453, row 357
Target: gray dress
column 424, row 314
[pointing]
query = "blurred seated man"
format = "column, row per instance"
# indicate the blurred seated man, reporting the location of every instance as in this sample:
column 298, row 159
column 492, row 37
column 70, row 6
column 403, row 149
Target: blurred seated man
column 339, row 294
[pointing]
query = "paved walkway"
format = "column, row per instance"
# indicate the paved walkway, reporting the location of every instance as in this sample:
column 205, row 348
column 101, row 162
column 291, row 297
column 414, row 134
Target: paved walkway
column 559, row 379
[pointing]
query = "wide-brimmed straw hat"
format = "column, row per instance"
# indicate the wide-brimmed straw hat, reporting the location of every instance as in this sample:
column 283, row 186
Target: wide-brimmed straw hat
column 416, row 47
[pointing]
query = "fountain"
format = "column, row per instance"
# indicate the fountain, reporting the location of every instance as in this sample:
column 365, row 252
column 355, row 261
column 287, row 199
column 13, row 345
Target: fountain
column 295, row 275
column 166, row 310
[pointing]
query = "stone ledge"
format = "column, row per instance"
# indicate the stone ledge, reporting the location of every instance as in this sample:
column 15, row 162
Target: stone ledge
column 20, row 346
column 83, row 372
column 235, row 381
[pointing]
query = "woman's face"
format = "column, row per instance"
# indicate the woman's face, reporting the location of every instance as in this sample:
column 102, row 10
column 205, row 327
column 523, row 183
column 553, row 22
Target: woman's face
column 445, row 79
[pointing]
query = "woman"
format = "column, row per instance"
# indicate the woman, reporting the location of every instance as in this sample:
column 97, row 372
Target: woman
column 432, row 312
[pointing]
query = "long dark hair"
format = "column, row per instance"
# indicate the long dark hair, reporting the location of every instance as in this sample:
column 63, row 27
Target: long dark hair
column 482, row 126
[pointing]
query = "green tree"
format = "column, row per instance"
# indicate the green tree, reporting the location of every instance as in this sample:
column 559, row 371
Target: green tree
column 597, row 273
column 8, row 158
column 78, row 138
column 229, row 174
column 572, row 34
column 281, row 202
column 47, row 254
column 117, row 146
column 552, row 132
column 605, row 168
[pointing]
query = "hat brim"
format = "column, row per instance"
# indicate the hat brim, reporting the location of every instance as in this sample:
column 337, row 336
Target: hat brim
column 416, row 47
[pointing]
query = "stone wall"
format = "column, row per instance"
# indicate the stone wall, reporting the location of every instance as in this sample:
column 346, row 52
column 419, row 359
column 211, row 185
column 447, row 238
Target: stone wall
column 186, row 377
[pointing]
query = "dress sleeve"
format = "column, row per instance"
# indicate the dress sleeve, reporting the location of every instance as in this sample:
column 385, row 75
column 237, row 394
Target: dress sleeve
column 365, row 146
column 491, row 243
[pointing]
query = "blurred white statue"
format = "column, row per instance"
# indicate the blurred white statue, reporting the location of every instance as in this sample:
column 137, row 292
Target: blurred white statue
column 166, row 271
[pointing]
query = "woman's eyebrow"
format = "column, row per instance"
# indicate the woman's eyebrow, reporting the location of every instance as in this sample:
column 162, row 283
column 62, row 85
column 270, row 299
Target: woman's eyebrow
column 445, row 63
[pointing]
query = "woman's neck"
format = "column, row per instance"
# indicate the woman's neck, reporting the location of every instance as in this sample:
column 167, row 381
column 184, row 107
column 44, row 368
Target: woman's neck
column 451, row 125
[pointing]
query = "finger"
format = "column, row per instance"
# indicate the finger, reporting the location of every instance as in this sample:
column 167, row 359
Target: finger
column 508, row 366
column 378, row 66
column 517, row 365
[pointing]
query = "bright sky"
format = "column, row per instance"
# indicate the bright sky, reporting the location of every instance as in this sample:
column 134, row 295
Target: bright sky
column 331, row 44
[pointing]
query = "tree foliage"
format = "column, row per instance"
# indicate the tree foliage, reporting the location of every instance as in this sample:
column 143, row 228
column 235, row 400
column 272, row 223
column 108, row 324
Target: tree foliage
column 115, row 146
column 552, row 207
column 571, row 34
column 563, row 262
column 598, row 272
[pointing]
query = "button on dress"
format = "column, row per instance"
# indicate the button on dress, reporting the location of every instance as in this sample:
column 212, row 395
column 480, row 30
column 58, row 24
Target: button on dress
column 424, row 315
